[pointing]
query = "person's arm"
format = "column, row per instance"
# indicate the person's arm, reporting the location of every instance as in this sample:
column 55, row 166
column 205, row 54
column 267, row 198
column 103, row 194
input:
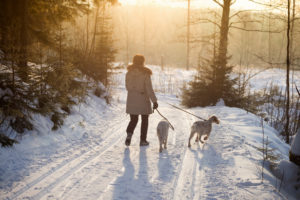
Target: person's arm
column 127, row 82
column 149, row 90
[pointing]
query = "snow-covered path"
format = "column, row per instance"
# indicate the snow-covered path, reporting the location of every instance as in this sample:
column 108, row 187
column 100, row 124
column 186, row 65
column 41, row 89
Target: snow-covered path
column 99, row 166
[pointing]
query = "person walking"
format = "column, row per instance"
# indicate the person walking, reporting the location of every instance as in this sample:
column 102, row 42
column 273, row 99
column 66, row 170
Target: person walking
column 139, row 93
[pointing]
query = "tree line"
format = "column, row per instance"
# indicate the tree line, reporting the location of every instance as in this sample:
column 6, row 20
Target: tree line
column 50, row 58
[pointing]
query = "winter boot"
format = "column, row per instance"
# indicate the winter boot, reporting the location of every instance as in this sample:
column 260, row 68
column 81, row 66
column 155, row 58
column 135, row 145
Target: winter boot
column 128, row 139
column 144, row 143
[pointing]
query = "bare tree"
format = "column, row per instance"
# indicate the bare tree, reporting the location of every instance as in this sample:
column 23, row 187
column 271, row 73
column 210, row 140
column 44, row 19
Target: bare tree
column 287, row 108
column 188, row 36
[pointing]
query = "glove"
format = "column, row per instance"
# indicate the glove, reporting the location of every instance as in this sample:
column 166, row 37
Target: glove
column 155, row 105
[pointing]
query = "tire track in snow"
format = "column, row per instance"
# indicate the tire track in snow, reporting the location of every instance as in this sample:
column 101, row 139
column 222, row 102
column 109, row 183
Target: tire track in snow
column 65, row 163
column 95, row 177
column 187, row 177
column 60, row 176
column 185, row 171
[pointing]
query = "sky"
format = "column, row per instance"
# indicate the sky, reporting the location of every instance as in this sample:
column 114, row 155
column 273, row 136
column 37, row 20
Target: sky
column 240, row 4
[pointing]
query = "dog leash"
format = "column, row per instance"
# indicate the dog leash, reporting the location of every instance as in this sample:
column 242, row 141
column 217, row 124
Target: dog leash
column 297, row 89
column 172, row 127
column 186, row 111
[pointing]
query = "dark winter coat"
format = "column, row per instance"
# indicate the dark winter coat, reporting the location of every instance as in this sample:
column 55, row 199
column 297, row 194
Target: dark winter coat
column 140, row 91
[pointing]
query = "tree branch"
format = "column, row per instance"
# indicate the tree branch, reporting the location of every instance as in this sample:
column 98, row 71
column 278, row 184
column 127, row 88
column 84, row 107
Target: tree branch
column 253, row 75
column 267, row 4
column 197, row 21
column 233, row 2
column 241, row 22
column 201, row 41
column 256, row 30
column 242, row 11
column 217, row 2
column 270, row 63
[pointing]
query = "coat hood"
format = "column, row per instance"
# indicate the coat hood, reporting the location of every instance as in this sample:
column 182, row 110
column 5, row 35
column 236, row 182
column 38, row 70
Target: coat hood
column 141, row 68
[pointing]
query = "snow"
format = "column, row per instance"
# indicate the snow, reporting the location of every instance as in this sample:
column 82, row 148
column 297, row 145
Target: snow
column 220, row 103
column 87, row 158
column 276, row 77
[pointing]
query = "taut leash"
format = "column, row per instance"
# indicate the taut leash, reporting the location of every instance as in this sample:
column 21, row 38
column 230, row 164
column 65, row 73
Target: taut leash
column 186, row 111
column 297, row 90
column 172, row 127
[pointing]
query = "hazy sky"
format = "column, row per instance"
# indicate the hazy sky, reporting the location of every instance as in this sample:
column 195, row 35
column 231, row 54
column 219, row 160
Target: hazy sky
column 240, row 4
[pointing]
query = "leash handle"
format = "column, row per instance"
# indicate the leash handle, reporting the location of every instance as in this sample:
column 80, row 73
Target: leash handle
column 186, row 111
column 172, row 127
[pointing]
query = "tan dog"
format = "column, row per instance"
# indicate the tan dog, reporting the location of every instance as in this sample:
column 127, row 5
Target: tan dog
column 202, row 128
column 162, row 134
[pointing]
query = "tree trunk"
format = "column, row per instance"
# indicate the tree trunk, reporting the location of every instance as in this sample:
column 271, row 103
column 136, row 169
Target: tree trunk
column 188, row 37
column 23, row 34
column 292, row 43
column 288, row 78
column 60, row 45
column 221, row 61
column 222, row 57
column 23, row 39
column 87, row 31
column 95, row 31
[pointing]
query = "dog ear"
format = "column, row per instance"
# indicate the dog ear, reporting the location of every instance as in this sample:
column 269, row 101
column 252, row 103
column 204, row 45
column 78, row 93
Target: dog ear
column 216, row 119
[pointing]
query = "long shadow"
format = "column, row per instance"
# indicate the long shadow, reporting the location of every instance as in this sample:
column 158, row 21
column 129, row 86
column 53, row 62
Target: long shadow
column 123, row 185
column 210, row 157
column 131, row 186
column 216, row 171
column 144, row 189
column 165, row 167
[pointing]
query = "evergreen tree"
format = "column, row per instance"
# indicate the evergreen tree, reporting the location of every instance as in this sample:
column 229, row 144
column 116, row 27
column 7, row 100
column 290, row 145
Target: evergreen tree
column 25, row 24
column 29, row 21
column 214, row 80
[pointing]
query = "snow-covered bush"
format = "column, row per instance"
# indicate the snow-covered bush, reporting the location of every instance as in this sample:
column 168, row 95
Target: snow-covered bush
column 6, row 141
column 50, row 90
column 272, row 101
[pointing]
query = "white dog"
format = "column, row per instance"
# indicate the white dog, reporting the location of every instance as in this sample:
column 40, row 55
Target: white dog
column 202, row 128
column 162, row 133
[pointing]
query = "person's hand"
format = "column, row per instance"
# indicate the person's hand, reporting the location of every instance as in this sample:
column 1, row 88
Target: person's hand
column 155, row 105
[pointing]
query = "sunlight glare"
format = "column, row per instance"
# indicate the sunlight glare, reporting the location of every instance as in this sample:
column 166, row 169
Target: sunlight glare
column 240, row 4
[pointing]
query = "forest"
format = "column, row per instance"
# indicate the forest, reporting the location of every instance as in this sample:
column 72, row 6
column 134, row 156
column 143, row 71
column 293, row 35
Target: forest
column 53, row 52
column 63, row 68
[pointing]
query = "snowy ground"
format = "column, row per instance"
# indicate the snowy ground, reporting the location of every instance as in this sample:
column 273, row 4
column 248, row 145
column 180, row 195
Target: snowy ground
column 87, row 158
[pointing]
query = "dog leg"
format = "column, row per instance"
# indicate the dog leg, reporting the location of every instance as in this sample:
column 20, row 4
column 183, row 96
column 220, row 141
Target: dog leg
column 205, row 138
column 197, row 138
column 160, row 145
column 191, row 136
column 166, row 141
column 160, row 140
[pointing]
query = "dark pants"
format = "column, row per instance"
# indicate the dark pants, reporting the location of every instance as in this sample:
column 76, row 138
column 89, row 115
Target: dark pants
column 144, row 127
